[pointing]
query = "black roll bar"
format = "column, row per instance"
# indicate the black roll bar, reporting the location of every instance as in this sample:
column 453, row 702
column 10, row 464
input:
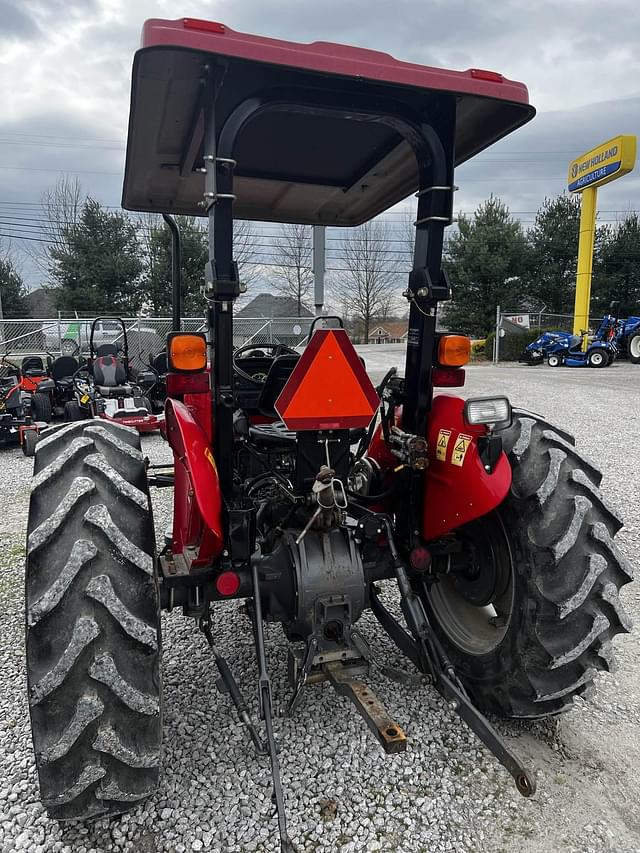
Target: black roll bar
column 176, row 269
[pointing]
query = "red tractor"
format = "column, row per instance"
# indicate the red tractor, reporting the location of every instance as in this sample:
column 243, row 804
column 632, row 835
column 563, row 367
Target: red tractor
column 298, row 486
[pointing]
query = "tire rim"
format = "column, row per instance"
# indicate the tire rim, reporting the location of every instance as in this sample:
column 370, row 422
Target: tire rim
column 634, row 347
column 597, row 359
column 553, row 360
column 477, row 628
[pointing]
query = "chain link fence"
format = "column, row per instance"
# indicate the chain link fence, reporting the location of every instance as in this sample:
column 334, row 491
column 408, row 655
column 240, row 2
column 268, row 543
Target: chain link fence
column 146, row 336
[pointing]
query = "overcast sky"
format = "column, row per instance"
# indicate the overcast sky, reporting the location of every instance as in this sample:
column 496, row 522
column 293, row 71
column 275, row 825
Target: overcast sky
column 65, row 76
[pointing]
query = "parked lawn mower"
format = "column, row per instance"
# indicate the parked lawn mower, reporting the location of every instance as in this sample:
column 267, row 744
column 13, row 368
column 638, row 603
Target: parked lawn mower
column 560, row 348
column 103, row 388
column 35, row 385
column 62, row 371
column 17, row 425
column 473, row 531
column 601, row 350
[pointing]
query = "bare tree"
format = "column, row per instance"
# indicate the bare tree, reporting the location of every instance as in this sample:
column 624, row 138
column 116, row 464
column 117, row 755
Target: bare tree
column 368, row 288
column 61, row 208
column 292, row 275
column 245, row 240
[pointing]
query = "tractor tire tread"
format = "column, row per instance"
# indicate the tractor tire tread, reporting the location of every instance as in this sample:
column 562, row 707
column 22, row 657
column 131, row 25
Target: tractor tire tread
column 569, row 572
column 576, row 573
column 92, row 613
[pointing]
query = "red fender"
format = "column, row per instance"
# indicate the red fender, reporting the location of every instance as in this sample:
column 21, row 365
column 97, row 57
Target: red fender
column 456, row 494
column 457, row 487
column 197, row 503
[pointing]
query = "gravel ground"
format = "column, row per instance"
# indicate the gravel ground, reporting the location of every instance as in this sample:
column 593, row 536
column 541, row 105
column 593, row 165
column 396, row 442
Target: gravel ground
column 446, row 793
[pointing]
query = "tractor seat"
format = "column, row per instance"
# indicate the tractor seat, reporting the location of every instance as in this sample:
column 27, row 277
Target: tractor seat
column 277, row 377
column 106, row 349
column 115, row 390
column 272, row 435
column 33, row 366
column 63, row 369
column 111, row 377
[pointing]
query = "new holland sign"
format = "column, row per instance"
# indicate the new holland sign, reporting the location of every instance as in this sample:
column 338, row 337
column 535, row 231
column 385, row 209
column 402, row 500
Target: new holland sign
column 602, row 164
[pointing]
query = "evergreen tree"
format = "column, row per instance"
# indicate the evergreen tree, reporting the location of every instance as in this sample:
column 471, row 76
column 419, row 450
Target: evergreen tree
column 616, row 268
column 487, row 263
column 551, row 281
column 156, row 284
column 13, row 293
column 97, row 265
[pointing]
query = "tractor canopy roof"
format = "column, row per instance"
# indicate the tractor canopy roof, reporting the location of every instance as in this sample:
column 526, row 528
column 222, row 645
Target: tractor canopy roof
column 295, row 164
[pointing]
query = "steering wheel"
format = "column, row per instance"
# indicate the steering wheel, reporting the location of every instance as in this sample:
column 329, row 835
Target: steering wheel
column 259, row 379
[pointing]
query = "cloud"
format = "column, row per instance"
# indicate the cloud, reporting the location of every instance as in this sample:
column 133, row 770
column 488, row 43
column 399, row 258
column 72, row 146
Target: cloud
column 16, row 22
column 65, row 77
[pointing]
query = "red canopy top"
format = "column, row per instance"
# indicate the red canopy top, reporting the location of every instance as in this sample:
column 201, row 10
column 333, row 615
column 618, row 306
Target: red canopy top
column 299, row 168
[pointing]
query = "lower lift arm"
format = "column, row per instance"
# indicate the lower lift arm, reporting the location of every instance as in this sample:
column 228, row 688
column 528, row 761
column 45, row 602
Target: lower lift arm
column 425, row 650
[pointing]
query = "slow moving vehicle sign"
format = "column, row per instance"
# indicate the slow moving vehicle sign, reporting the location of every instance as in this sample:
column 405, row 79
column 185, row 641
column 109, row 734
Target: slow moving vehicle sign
column 328, row 388
column 602, row 164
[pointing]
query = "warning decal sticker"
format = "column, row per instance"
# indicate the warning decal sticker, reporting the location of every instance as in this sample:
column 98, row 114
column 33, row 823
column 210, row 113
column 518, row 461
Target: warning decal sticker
column 443, row 442
column 460, row 449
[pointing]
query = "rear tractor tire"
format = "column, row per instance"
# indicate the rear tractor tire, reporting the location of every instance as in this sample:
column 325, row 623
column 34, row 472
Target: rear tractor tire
column 93, row 622
column 633, row 348
column 529, row 619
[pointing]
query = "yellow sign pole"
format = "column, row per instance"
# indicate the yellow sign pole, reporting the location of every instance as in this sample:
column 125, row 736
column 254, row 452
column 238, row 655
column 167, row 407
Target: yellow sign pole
column 602, row 164
column 586, row 241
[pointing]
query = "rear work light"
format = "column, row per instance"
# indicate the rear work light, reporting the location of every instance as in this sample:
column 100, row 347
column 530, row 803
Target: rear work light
column 187, row 352
column 454, row 350
column 492, row 411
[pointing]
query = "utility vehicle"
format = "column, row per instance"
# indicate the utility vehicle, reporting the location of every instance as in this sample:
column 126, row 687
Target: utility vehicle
column 300, row 488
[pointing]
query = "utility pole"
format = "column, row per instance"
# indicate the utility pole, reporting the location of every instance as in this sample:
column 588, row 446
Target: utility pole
column 319, row 256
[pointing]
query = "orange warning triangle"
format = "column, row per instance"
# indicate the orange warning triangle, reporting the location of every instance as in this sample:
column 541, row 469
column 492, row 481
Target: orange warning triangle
column 328, row 388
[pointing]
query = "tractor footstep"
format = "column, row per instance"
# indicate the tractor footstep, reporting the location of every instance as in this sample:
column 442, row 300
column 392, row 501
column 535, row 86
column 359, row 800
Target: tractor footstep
column 390, row 735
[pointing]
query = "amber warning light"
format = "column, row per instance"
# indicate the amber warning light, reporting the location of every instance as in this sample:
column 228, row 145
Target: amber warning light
column 328, row 388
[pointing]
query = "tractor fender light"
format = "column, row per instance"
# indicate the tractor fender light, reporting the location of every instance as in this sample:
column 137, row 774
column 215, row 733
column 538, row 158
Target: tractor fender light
column 187, row 383
column 187, row 352
column 454, row 350
column 492, row 411
column 447, row 377
column 227, row 583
